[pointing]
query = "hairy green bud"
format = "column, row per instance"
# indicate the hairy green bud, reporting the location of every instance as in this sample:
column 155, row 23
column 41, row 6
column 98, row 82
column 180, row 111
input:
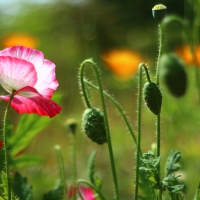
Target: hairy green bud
column 152, row 97
column 173, row 74
column 93, row 125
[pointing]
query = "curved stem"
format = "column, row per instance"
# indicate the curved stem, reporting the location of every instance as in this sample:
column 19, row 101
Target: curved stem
column 82, row 85
column 118, row 107
column 81, row 181
column 5, row 144
column 139, row 126
column 91, row 63
column 146, row 71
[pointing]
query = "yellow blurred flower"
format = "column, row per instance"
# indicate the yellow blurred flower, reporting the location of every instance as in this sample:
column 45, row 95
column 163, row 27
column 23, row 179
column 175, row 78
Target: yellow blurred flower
column 185, row 53
column 23, row 39
column 122, row 62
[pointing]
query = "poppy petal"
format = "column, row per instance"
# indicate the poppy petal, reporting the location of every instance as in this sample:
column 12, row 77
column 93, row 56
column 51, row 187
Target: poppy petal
column 46, row 82
column 35, row 103
column 31, row 55
column 16, row 73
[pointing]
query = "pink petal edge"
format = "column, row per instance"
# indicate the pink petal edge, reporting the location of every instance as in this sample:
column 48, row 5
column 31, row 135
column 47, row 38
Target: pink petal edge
column 30, row 55
column 36, row 104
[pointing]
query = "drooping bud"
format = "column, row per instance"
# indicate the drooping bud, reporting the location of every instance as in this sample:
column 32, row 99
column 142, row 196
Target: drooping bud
column 173, row 74
column 152, row 97
column 93, row 125
column 159, row 11
column 71, row 125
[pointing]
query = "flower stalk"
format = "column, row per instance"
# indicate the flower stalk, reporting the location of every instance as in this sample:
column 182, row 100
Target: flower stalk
column 89, row 62
column 5, row 145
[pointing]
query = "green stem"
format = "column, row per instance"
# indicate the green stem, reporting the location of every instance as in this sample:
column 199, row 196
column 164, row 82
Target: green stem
column 138, row 130
column 61, row 167
column 5, row 144
column 118, row 107
column 80, row 181
column 91, row 63
column 161, row 40
column 74, row 173
column 142, row 65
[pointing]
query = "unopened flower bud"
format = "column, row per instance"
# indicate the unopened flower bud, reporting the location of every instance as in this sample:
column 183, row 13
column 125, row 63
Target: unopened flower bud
column 93, row 125
column 71, row 125
column 152, row 97
column 173, row 74
column 159, row 11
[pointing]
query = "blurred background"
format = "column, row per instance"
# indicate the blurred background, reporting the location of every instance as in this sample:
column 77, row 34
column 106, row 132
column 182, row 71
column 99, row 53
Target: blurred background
column 118, row 35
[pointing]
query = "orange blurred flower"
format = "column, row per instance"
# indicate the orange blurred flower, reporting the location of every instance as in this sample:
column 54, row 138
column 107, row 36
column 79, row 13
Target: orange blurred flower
column 122, row 62
column 185, row 53
column 23, row 39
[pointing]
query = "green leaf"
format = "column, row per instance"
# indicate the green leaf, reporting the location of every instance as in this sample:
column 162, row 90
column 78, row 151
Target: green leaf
column 4, row 185
column 172, row 165
column 149, row 167
column 197, row 194
column 171, row 180
column 91, row 168
column 55, row 194
column 25, row 161
column 20, row 187
column 91, row 171
column 29, row 126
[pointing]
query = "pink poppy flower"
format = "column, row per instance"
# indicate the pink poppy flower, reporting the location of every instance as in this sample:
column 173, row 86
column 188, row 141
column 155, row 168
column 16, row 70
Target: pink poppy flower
column 33, row 79
column 87, row 193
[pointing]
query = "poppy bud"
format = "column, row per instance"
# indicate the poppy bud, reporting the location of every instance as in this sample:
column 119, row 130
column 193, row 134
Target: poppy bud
column 71, row 124
column 159, row 11
column 152, row 97
column 93, row 125
column 173, row 74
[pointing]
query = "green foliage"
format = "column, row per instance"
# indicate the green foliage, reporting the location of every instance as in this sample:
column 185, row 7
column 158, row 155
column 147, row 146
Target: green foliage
column 170, row 181
column 197, row 194
column 95, row 180
column 21, row 187
column 3, row 186
column 55, row 194
column 25, row 160
column 29, row 126
column 149, row 168
column 4, row 189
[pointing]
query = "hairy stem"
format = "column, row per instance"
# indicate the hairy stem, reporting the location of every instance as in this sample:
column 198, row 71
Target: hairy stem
column 161, row 40
column 5, row 144
column 89, row 62
column 118, row 107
